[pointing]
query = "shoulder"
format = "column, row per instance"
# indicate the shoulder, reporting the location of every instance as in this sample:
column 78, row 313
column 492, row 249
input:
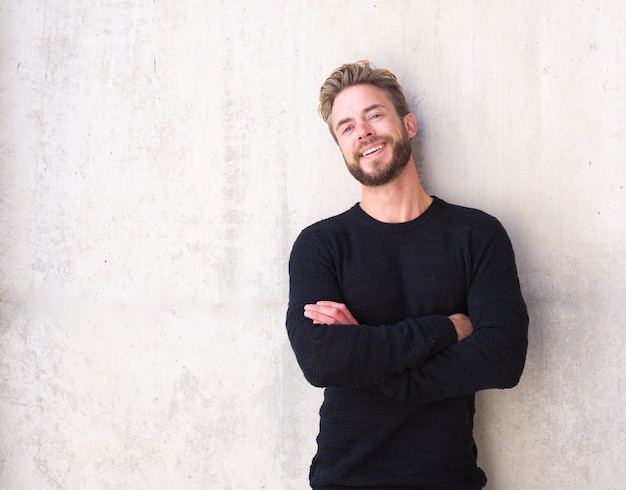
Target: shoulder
column 465, row 218
column 469, row 228
column 328, row 227
column 324, row 236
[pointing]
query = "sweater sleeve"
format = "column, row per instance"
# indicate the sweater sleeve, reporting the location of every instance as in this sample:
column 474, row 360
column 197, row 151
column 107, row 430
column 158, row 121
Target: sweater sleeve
column 494, row 355
column 351, row 355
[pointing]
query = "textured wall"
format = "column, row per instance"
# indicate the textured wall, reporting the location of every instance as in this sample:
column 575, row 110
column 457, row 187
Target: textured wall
column 159, row 157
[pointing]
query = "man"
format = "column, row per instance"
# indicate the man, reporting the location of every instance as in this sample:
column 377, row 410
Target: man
column 402, row 307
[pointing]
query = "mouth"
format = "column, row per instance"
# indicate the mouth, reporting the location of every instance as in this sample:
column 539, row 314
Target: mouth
column 372, row 150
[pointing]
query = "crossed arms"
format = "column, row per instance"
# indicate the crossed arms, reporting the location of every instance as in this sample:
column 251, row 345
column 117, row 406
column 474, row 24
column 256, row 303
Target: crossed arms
column 416, row 360
column 333, row 313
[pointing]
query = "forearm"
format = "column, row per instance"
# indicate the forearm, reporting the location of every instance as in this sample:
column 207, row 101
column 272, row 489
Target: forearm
column 344, row 355
column 361, row 355
column 492, row 357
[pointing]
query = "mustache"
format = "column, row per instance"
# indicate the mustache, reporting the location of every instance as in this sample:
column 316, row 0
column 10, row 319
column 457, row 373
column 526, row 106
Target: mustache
column 379, row 140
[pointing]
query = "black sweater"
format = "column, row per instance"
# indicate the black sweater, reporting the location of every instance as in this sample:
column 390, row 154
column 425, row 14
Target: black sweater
column 399, row 401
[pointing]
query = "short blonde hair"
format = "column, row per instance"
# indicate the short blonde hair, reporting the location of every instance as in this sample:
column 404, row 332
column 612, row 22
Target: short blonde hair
column 361, row 72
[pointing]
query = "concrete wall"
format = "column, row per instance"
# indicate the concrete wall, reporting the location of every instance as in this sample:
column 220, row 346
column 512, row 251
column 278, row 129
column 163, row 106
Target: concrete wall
column 159, row 157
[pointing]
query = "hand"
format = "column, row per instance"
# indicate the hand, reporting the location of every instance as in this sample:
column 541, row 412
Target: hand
column 329, row 313
column 462, row 325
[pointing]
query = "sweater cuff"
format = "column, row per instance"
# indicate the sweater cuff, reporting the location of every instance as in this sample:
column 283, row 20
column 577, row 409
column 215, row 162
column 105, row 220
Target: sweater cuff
column 445, row 333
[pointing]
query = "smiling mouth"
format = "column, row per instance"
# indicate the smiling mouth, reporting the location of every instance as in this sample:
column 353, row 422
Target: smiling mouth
column 372, row 150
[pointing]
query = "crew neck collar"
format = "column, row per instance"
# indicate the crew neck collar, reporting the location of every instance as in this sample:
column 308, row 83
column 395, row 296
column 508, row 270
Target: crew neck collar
column 405, row 225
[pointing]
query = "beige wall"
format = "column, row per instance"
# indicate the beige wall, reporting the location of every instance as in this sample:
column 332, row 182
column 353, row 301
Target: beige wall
column 158, row 158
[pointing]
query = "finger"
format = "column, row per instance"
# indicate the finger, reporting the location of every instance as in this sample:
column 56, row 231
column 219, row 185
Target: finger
column 339, row 312
column 337, row 315
column 328, row 313
column 320, row 318
column 328, row 309
column 333, row 306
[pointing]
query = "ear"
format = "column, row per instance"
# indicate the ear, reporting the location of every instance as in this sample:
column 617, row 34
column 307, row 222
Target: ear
column 410, row 123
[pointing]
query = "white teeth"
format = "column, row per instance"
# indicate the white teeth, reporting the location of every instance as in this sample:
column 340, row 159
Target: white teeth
column 372, row 150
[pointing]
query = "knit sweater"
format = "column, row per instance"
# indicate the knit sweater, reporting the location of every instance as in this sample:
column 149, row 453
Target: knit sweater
column 399, row 389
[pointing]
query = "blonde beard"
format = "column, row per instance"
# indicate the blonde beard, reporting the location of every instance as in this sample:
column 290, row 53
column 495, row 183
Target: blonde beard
column 401, row 155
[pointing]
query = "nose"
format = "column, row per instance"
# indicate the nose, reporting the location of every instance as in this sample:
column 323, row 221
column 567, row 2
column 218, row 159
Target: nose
column 364, row 130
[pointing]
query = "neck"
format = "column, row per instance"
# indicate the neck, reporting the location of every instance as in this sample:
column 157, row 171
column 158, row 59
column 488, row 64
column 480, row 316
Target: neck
column 399, row 201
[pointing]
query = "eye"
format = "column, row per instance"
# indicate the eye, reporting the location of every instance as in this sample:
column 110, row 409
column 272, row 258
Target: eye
column 375, row 116
column 346, row 129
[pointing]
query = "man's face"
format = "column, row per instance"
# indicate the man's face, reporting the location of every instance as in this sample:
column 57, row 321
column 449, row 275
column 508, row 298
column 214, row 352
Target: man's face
column 373, row 139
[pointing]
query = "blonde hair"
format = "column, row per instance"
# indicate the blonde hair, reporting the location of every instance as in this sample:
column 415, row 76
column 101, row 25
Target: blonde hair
column 361, row 72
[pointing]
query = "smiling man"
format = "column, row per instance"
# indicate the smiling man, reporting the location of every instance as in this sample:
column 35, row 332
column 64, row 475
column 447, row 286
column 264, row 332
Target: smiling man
column 402, row 307
column 376, row 147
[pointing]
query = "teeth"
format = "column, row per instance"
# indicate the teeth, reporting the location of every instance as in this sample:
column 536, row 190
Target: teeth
column 372, row 150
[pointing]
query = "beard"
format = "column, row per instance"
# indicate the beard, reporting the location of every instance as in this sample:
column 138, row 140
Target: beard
column 383, row 174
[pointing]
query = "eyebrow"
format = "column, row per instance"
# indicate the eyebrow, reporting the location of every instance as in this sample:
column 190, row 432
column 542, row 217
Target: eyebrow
column 364, row 111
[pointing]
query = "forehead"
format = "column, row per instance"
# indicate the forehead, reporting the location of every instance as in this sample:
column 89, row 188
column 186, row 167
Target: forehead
column 355, row 99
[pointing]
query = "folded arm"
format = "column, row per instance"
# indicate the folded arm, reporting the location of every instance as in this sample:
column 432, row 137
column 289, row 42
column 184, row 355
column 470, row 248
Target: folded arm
column 419, row 359
column 337, row 352
column 333, row 313
column 494, row 355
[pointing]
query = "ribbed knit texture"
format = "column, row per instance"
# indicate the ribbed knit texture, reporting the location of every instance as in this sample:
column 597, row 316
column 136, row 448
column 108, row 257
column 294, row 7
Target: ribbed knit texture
column 399, row 401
